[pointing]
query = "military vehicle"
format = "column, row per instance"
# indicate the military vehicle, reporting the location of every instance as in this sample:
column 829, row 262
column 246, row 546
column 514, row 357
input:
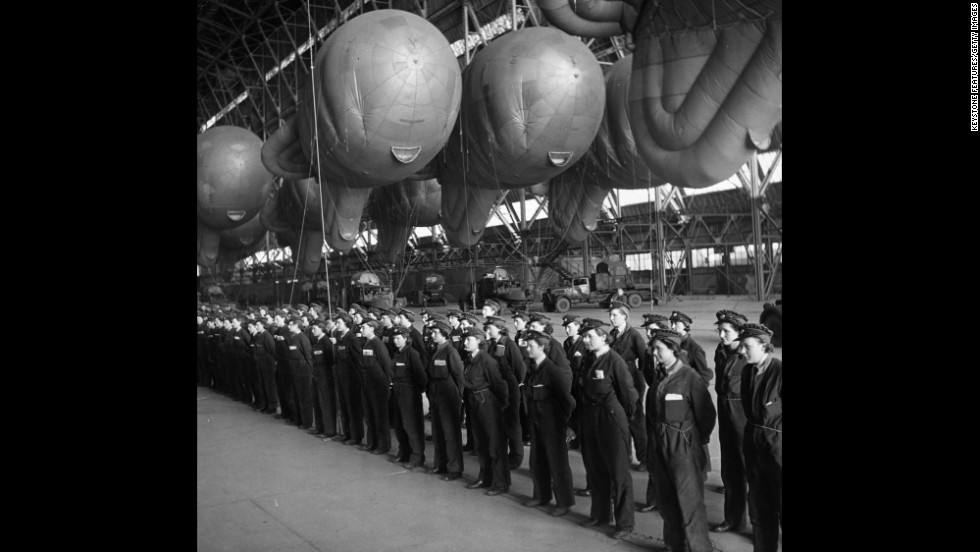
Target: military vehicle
column 610, row 278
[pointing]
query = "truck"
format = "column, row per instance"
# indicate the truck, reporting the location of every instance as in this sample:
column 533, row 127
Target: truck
column 610, row 279
column 367, row 289
column 433, row 289
column 500, row 285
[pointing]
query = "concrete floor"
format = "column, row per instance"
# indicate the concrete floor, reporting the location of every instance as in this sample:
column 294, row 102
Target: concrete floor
column 264, row 485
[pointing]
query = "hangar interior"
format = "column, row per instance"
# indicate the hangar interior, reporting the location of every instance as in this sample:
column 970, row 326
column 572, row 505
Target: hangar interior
column 254, row 59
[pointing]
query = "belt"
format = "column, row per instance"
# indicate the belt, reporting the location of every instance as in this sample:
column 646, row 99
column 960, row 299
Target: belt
column 766, row 427
column 484, row 390
column 438, row 379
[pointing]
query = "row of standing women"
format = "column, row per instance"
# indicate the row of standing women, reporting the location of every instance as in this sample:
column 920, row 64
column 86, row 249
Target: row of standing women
column 355, row 376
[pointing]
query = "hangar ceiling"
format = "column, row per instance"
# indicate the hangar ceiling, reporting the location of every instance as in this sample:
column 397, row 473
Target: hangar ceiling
column 248, row 73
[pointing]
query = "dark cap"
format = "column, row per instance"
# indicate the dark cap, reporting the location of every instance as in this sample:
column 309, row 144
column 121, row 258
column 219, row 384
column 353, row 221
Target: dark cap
column 427, row 312
column 475, row 332
column 592, row 324
column 617, row 303
column 494, row 321
column 373, row 323
column 471, row 318
column 759, row 331
column 434, row 317
column 302, row 308
column 359, row 308
column 731, row 317
column 569, row 318
column 292, row 320
column 407, row 314
column 539, row 317
column 668, row 335
column 345, row 317
column 387, row 312
column 491, row 303
column 523, row 315
column 258, row 321
column 445, row 328
column 317, row 306
column 401, row 330
column 532, row 334
column 655, row 321
column 681, row 317
column 455, row 312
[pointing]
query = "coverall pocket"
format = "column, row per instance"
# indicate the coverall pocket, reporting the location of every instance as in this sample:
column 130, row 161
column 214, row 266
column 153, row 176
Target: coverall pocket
column 675, row 412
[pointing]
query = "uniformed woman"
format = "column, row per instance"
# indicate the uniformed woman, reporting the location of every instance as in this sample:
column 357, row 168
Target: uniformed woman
column 608, row 400
column 762, row 399
column 681, row 415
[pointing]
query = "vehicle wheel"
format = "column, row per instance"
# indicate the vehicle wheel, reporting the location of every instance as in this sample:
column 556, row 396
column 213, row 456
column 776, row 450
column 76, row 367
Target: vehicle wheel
column 563, row 304
column 775, row 323
column 634, row 300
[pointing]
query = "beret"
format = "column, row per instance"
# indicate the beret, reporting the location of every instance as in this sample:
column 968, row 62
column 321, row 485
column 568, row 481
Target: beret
column 680, row 316
column 302, row 308
column 407, row 314
column 617, row 303
column 569, row 318
column 401, row 330
column 531, row 334
column 474, row 332
column 731, row 317
column 494, row 321
column 446, row 329
column 523, row 315
column 491, row 303
column 454, row 312
column 539, row 317
column 471, row 318
column 373, row 323
column 591, row 324
column 668, row 335
column 759, row 331
column 343, row 316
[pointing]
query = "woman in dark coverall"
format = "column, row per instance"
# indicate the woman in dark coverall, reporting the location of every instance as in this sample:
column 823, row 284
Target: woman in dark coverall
column 486, row 398
column 409, row 381
column 682, row 415
column 445, row 391
column 549, row 406
column 762, row 399
column 348, row 378
column 608, row 400
column 731, row 419
column 375, row 367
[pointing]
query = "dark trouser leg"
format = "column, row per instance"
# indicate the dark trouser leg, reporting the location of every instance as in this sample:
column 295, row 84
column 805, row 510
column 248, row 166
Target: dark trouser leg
column 268, row 373
column 553, row 433
column 638, row 431
column 318, row 403
column 449, row 430
column 401, row 436
column 651, row 495
column 480, row 439
column 731, row 432
column 351, row 391
column 303, row 398
column 594, row 466
column 410, row 415
column 680, row 490
column 764, row 469
column 616, row 457
column 512, row 428
column 490, row 419
column 538, row 465
column 345, row 423
column 328, row 405
column 376, row 412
